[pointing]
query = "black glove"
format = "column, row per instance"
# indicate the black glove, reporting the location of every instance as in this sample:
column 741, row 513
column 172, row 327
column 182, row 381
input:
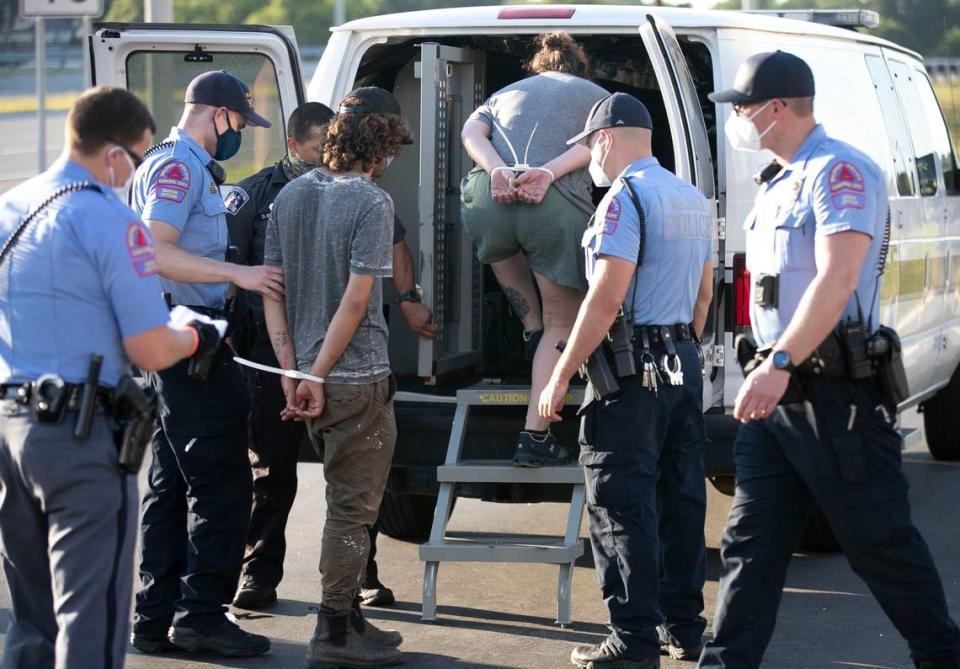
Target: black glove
column 202, row 358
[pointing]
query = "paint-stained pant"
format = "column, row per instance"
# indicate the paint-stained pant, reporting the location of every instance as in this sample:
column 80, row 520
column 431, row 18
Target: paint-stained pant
column 355, row 434
column 67, row 524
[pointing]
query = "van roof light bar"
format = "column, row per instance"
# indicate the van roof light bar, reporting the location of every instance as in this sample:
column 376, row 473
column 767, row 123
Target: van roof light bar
column 839, row 18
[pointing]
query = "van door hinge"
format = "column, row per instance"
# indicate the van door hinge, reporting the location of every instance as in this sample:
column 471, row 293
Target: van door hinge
column 721, row 227
column 718, row 355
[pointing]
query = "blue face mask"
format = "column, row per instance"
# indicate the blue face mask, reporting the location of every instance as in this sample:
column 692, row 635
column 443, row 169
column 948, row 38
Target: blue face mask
column 228, row 143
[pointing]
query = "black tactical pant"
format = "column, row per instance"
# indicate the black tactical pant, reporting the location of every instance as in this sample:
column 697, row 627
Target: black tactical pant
column 837, row 450
column 274, row 447
column 642, row 459
column 196, row 508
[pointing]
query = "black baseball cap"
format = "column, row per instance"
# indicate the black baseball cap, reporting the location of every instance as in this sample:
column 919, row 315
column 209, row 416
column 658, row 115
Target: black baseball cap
column 222, row 89
column 769, row 75
column 370, row 100
column 620, row 110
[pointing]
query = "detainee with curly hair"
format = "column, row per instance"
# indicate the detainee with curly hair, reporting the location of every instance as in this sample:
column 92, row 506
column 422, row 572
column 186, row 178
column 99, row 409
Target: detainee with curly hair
column 336, row 243
column 526, row 207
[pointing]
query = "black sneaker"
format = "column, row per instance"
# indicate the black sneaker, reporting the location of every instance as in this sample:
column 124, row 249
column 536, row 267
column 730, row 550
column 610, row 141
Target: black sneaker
column 605, row 655
column 253, row 595
column 376, row 593
column 535, row 451
column 151, row 644
column 669, row 645
column 227, row 639
column 531, row 340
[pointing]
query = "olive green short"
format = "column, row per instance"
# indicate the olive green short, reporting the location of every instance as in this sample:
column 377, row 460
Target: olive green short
column 548, row 233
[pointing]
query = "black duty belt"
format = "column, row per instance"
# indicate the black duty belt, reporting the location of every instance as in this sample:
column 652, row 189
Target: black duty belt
column 25, row 393
column 681, row 332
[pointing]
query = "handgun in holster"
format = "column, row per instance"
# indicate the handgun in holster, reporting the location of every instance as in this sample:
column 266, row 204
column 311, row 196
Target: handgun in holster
column 885, row 350
column 598, row 372
column 135, row 412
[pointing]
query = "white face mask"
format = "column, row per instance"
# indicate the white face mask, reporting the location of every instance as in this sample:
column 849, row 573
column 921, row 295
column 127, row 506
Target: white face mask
column 389, row 160
column 743, row 134
column 600, row 178
column 121, row 191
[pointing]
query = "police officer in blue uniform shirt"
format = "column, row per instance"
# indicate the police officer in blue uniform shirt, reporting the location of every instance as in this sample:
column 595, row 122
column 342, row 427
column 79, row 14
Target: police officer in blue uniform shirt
column 196, row 508
column 814, row 244
column 649, row 258
column 67, row 508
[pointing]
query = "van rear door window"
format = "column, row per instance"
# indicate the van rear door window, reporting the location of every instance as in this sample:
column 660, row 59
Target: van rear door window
column 924, row 147
column 938, row 129
column 896, row 127
column 160, row 79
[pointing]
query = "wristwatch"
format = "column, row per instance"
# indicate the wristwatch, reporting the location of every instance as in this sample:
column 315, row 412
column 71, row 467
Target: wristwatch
column 781, row 360
column 412, row 295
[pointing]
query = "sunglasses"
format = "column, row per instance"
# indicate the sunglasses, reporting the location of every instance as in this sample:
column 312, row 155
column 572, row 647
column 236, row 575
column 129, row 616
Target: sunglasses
column 134, row 156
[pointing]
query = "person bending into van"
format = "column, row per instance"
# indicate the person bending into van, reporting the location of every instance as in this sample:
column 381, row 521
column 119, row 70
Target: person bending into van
column 814, row 432
column 526, row 206
column 335, row 242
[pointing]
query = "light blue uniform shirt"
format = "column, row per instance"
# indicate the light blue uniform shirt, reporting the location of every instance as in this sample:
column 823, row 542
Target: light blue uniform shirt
column 80, row 278
column 829, row 187
column 679, row 222
column 175, row 187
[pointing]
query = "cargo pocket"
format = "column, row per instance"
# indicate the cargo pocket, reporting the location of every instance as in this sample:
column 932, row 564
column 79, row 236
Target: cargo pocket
column 851, row 459
column 608, row 478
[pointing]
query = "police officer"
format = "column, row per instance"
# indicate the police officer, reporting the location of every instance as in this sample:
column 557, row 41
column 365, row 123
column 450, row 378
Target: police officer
column 67, row 508
column 814, row 240
column 648, row 253
column 196, row 508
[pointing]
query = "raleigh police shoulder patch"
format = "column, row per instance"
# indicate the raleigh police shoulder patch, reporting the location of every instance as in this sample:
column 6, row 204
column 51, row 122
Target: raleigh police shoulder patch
column 235, row 200
column 847, row 186
column 173, row 181
column 612, row 217
column 140, row 249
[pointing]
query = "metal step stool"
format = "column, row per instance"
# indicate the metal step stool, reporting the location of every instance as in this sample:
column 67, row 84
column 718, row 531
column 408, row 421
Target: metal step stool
column 562, row 551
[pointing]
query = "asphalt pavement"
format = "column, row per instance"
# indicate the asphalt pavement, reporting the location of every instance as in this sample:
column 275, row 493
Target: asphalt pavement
column 493, row 616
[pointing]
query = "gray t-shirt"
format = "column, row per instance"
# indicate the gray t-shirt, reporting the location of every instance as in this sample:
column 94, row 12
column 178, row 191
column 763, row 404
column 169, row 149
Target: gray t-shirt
column 557, row 104
column 333, row 225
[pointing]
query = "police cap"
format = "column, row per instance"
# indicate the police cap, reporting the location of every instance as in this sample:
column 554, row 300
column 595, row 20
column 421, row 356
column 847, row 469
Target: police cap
column 222, row 89
column 620, row 110
column 769, row 75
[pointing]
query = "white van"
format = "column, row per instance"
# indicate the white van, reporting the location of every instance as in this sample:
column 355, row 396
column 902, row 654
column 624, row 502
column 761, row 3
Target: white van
column 442, row 63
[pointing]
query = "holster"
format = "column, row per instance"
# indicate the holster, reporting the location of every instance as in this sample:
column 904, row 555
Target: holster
column 598, row 372
column 887, row 353
column 134, row 415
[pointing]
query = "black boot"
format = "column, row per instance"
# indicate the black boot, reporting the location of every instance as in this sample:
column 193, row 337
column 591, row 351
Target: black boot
column 536, row 451
column 227, row 639
column 335, row 643
column 252, row 595
column 605, row 655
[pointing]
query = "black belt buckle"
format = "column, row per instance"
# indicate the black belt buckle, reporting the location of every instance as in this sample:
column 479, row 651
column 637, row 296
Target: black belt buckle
column 766, row 291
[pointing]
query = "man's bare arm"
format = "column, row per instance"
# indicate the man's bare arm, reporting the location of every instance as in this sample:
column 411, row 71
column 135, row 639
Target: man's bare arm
column 839, row 259
column 178, row 265
column 704, row 297
column 279, row 332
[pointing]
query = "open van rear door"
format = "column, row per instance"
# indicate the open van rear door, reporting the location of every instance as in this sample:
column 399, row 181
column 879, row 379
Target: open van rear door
column 693, row 161
column 451, row 87
column 157, row 61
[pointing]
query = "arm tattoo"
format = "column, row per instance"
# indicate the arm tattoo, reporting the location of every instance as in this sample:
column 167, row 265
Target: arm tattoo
column 517, row 303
